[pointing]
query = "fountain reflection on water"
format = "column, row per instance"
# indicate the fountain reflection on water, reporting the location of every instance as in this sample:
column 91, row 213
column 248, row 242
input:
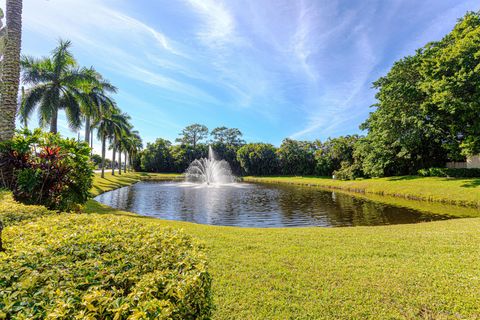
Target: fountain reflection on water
column 210, row 171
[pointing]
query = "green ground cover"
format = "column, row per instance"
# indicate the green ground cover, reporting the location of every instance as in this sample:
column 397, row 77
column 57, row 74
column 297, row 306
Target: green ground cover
column 425, row 271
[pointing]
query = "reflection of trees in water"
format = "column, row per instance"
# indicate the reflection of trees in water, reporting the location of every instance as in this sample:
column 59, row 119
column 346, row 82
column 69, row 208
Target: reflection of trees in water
column 337, row 209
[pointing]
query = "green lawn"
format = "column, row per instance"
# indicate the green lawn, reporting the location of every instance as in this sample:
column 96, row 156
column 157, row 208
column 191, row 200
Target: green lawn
column 464, row 192
column 420, row 271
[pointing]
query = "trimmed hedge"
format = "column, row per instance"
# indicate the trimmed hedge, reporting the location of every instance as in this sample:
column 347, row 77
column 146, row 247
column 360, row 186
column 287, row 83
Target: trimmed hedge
column 450, row 172
column 80, row 266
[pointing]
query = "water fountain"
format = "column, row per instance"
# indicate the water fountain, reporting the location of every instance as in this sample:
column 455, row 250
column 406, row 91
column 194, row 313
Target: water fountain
column 209, row 170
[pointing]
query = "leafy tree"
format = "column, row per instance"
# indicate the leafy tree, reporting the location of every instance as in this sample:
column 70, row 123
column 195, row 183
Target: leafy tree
column 10, row 75
column 332, row 153
column 451, row 81
column 428, row 106
column 402, row 136
column 258, row 158
column 192, row 134
column 183, row 155
column 56, row 85
column 297, row 157
column 228, row 136
column 96, row 159
column 156, row 157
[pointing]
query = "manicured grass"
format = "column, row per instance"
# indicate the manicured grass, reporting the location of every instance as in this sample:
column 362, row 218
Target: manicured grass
column 464, row 192
column 420, row 271
column 111, row 182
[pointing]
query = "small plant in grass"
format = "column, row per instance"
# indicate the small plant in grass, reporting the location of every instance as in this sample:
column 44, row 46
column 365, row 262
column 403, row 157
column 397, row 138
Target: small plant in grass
column 47, row 169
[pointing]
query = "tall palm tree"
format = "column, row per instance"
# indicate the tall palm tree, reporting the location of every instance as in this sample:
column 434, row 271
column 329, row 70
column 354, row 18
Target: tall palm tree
column 95, row 101
column 134, row 146
column 105, row 125
column 125, row 145
column 118, row 125
column 11, row 69
column 121, row 130
column 56, row 85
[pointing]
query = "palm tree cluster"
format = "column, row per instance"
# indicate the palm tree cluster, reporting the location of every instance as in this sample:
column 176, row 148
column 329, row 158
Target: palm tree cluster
column 58, row 83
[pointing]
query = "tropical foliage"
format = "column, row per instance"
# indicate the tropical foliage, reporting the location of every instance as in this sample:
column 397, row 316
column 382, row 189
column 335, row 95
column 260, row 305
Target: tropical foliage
column 48, row 169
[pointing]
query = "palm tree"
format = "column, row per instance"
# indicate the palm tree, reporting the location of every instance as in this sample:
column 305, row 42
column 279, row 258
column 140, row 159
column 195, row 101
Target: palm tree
column 56, row 85
column 95, row 101
column 128, row 144
column 134, row 146
column 11, row 69
column 105, row 124
column 119, row 127
column 123, row 130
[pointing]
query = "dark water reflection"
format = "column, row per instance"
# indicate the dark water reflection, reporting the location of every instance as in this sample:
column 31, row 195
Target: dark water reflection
column 257, row 205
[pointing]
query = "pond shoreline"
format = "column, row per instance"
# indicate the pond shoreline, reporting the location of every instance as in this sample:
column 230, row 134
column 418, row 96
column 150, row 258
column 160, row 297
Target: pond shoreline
column 457, row 192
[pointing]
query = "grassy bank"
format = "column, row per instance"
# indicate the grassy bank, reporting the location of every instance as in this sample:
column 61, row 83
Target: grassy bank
column 420, row 271
column 462, row 192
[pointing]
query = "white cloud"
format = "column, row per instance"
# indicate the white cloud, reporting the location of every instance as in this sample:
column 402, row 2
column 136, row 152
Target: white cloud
column 218, row 27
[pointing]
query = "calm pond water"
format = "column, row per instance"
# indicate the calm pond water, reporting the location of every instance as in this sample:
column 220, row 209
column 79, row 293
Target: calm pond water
column 256, row 205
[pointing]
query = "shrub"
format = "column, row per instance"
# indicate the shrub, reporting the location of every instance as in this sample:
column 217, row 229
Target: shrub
column 48, row 169
column 450, row 172
column 83, row 267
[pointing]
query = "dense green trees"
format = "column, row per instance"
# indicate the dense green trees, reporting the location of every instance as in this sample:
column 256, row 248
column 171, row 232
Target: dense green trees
column 157, row 157
column 258, row 159
column 428, row 109
column 297, row 157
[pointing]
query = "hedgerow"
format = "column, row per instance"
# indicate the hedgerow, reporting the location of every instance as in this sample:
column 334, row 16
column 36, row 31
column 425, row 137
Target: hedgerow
column 84, row 267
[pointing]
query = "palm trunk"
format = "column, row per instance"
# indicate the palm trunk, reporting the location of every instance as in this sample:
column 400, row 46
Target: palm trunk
column 87, row 130
column 125, row 168
column 113, row 159
column 103, row 157
column 11, row 70
column 53, row 122
column 91, row 144
column 120, row 162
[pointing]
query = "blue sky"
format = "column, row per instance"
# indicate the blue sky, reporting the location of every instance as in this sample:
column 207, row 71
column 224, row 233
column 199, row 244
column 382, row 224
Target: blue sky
column 273, row 69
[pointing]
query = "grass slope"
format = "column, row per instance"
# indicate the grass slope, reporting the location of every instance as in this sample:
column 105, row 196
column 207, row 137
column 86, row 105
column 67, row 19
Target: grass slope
column 464, row 192
column 421, row 271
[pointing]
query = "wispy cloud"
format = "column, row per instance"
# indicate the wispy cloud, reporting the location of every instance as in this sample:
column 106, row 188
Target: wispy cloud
column 277, row 67
column 218, row 27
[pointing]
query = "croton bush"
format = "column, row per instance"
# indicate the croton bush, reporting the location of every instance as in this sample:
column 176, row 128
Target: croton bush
column 102, row 267
column 44, row 168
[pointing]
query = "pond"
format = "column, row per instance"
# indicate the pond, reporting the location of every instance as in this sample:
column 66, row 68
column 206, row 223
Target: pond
column 257, row 205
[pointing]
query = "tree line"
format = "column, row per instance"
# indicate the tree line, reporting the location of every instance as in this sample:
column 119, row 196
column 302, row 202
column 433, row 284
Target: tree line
column 427, row 113
column 293, row 157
